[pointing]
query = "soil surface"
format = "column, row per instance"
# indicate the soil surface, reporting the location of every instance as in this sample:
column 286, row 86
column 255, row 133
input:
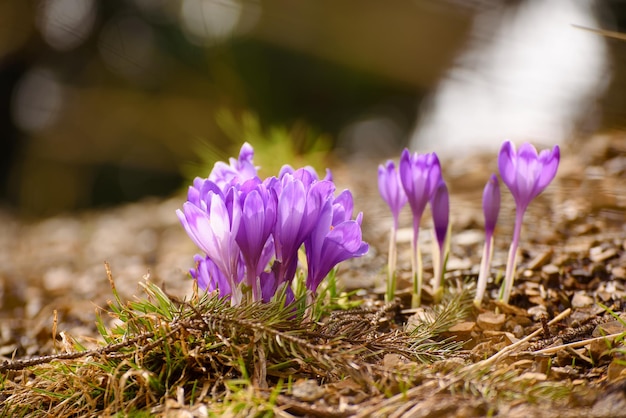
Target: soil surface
column 573, row 248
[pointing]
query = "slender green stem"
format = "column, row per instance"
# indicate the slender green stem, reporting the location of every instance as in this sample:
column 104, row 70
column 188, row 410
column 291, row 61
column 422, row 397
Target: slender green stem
column 511, row 264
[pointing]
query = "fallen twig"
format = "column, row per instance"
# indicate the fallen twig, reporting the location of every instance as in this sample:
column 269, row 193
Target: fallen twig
column 576, row 344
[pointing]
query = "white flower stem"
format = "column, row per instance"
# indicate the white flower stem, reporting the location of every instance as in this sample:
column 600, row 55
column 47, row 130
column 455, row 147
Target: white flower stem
column 511, row 264
column 416, row 264
column 483, row 274
column 391, row 265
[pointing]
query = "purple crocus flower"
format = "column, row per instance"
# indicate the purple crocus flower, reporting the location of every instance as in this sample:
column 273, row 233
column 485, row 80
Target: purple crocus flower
column 210, row 278
column 393, row 194
column 258, row 218
column 238, row 171
column 526, row 174
column 491, row 209
column 213, row 228
column 334, row 238
column 242, row 223
column 298, row 211
column 391, row 190
column 440, row 208
column 419, row 175
column 491, row 204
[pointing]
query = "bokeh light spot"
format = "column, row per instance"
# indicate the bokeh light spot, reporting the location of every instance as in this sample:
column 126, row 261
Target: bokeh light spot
column 65, row 24
column 207, row 21
column 37, row 100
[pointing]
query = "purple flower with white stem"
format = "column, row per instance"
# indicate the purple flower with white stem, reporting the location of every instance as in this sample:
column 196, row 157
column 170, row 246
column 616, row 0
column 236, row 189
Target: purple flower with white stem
column 298, row 211
column 419, row 175
column 491, row 209
column 440, row 208
column 334, row 238
column 526, row 174
column 213, row 226
column 393, row 194
column 258, row 218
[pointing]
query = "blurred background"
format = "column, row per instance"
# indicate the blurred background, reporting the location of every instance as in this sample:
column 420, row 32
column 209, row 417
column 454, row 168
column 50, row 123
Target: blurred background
column 107, row 101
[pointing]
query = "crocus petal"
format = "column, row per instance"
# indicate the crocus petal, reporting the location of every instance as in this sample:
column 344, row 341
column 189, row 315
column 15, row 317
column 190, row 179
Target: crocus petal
column 290, row 211
column 549, row 160
column 211, row 232
column 209, row 276
column 341, row 243
column 251, row 236
column 238, row 171
column 198, row 226
column 330, row 244
column 507, row 163
column 343, row 206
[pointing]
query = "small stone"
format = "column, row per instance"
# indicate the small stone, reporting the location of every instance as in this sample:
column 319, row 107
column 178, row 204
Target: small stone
column 490, row 321
column 550, row 272
column 307, row 390
column 518, row 331
column 462, row 327
column 608, row 328
column 581, row 316
column 604, row 255
column 392, row 361
column 581, row 300
column 541, row 364
column 537, row 312
column 581, row 274
column 619, row 273
column 541, row 260
column 616, row 371
column 598, row 349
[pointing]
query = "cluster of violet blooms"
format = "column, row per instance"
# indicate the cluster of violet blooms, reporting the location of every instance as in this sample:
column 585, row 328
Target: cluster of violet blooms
column 418, row 181
column 250, row 230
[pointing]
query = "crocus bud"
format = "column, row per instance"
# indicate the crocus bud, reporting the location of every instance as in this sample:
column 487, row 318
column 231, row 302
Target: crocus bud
column 419, row 175
column 491, row 204
column 440, row 208
column 491, row 208
column 391, row 190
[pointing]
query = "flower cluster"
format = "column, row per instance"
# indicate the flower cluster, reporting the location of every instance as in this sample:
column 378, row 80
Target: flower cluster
column 250, row 230
column 418, row 181
column 526, row 173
